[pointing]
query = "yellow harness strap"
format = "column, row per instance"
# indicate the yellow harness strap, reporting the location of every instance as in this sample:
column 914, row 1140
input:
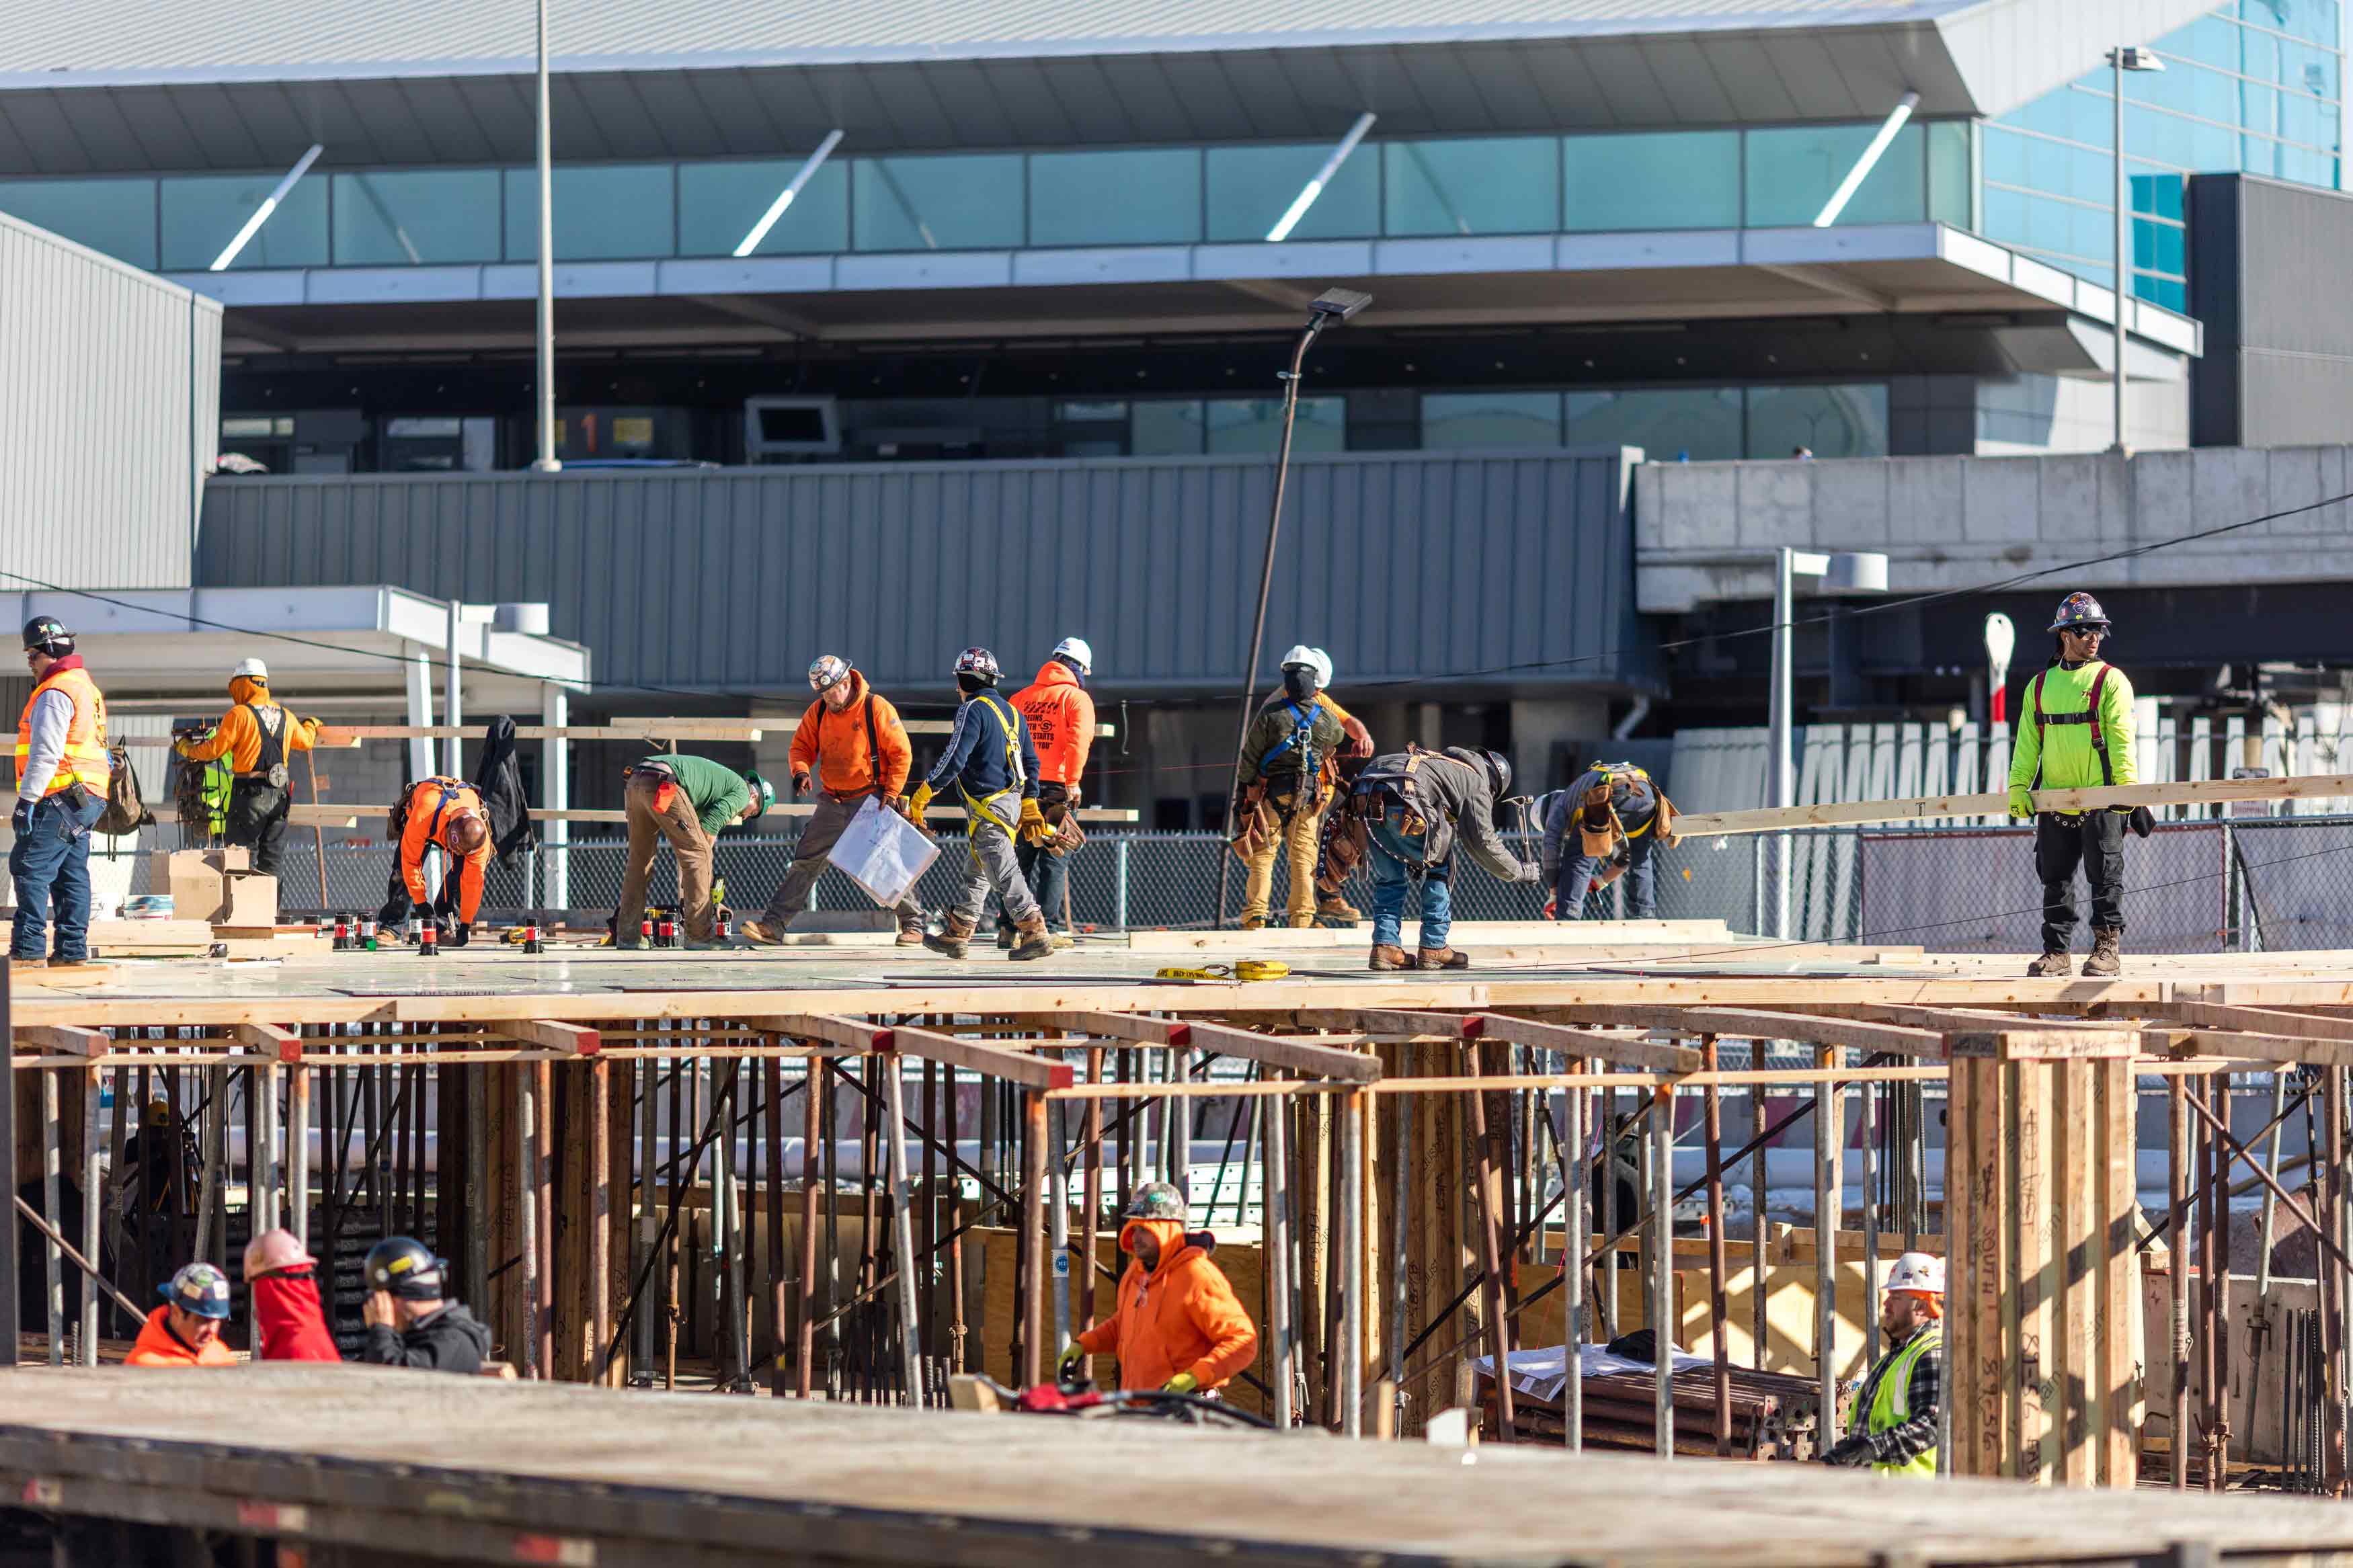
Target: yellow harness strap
column 977, row 808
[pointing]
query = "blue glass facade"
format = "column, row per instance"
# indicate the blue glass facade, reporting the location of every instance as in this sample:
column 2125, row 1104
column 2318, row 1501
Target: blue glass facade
column 2253, row 87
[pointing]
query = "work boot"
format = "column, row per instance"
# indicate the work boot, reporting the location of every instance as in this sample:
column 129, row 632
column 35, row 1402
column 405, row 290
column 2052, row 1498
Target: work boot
column 760, row 934
column 1336, row 913
column 1386, row 957
column 955, row 938
column 633, row 944
column 701, row 944
column 2051, row 966
column 1303, row 922
column 2105, row 961
column 1253, row 923
column 911, row 934
column 1004, row 936
column 1034, row 943
column 1063, row 941
column 1443, row 958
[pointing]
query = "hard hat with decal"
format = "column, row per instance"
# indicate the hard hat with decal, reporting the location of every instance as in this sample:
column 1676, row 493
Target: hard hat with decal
column 2078, row 611
column 200, row 1289
column 1918, row 1272
column 1078, row 651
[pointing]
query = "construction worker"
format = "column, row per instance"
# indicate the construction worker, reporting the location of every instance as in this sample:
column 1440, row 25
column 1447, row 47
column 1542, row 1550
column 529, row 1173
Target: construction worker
column 1285, row 785
column 1406, row 813
column 62, row 773
column 1177, row 1325
column 2075, row 732
column 410, row 1319
column 186, row 1329
column 1621, row 816
column 445, row 813
column 687, row 800
column 995, row 767
column 1062, row 720
column 850, row 745
column 1332, row 910
column 257, row 736
column 288, row 1321
column 1892, row 1425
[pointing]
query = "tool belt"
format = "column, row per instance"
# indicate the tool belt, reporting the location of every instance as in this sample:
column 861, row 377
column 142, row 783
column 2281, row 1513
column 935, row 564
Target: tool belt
column 1064, row 820
column 1600, row 829
column 1373, row 797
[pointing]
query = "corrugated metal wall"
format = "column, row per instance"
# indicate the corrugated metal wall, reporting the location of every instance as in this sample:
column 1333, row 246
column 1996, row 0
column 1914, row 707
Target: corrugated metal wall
column 1488, row 569
column 109, row 396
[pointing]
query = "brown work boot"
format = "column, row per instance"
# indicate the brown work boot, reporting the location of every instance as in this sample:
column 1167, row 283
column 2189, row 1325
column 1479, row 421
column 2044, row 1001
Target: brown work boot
column 2105, row 961
column 911, row 934
column 1004, row 936
column 1303, row 922
column 1253, row 923
column 759, row 933
column 2051, row 966
column 1033, row 940
column 955, row 937
column 1443, row 958
column 1336, row 913
column 1386, row 957
column 1063, row 941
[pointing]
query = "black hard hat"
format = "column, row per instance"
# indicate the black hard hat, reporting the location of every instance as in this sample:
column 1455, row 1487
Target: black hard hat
column 1499, row 772
column 2077, row 611
column 407, row 1267
column 49, row 634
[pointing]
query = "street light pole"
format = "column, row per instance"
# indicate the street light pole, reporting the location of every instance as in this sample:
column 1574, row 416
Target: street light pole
column 546, row 462
column 1853, row 571
column 2120, row 60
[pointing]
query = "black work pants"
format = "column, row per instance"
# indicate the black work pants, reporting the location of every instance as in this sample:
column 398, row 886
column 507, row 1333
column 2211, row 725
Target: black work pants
column 2096, row 841
column 257, row 819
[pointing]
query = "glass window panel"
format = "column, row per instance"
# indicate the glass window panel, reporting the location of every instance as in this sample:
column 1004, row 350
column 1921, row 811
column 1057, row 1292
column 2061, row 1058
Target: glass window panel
column 2309, row 70
column 2161, row 138
column 1792, row 169
column 962, row 202
column 1165, row 428
column 2259, row 54
column 1667, row 179
column 1255, row 425
column 2211, row 39
column 2212, row 147
column 2091, row 116
column 1472, row 185
column 1251, row 187
column 1701, row 423
column 1828, row 421
column 2010, row 157
column 1949, row 183
column 2050, row 114
column 2005, row 215
column 203, row 213
column 2171, row 293
column 1466, row 419
column 719, row 204
column 2158, row 195
column 603, row 212
column 115, row 216
column 419, row 216
column 1146, row 196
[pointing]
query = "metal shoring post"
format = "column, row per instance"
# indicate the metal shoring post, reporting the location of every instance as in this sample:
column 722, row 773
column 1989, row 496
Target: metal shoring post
column 1829, row 1200
column 1278, row 1258
column 1868, row 1095
column 1575, row 1234
column 55, row 1290
column 1718, row 1310
column 92, row 1209
column 1058, row 1223
column 648, row 1226
column 1177, row 1124
column 1353, row 1107
column 1610, row 1216
column 2176, row 1455
column 1663, row 1267
column 298, row 1149
column 1758, row 1265
column 215, row 1199
column 2268, row 1228
column 11, row 1323
column 1646, row 1261
column 1400, row 1208
column 903, row 1235
column 1033, row 1201
column 743, row 1088
column 261, row 1158
column 527, row 1215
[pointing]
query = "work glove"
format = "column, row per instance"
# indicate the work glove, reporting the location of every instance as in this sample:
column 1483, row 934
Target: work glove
column 1848, row 1452
column 1032, row 826
column 1552, row 908
column 1182, row 1382
column 462, row 934
column 2021, row 802
column 916, row 806
column 801, row 782
column 21, row 819
column 1074, row 1354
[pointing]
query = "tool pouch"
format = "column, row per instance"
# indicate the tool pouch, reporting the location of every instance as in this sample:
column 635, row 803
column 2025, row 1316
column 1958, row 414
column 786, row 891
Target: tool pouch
column 1346, row 843
column 1257, row 830
column 1064, row 821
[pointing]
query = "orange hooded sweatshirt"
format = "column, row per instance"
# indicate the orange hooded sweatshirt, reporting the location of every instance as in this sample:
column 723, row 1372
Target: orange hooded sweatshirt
column 838, row 752
column 1062, row 720
column 158, row 1346
column 238, row 737
column 1178, row 1317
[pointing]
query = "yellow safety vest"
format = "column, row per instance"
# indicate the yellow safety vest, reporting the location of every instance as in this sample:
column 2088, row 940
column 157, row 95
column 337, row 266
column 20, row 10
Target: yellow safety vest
column 1891, row 1401
column 84, row 764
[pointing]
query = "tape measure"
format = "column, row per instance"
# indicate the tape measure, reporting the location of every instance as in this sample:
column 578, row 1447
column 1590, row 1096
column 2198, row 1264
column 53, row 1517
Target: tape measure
column 1246, row 969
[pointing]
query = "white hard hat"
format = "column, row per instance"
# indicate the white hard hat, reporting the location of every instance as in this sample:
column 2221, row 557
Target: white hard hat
column 1918, row 1271
column 252, row 670
column 1076, row 650
column 1300, row 653
column 1322, row 663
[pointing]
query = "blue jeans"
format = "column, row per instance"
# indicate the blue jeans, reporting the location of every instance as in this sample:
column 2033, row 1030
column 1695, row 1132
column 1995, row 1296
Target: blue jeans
column 53, row 856
column 1642, row 885
column 1396, row 861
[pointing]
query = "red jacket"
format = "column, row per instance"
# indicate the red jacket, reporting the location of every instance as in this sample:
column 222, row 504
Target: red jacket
column 1062, row 720
column 288, row 1322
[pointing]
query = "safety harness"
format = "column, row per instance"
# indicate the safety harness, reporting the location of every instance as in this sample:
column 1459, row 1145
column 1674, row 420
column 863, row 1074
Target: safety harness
column 977, row 807
column 270, row 763
column 1600, row 829
column 2090, row 715
column 1301, row 740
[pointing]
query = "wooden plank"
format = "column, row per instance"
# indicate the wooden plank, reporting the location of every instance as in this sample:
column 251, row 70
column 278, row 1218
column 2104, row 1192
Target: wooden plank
column 2078, row 1183
column 1321, row 1061
column 62, row 1040
column 2037, row 1342
column 1011, row 1065
column 850, row 1034
column 566, row 1039
column 1911, row 808
column 284, row 1045
column 333, row 816
column 2121, row 1380
column 2044, row 1045
column 1652, row 1054
column 1758, row 1024
column 2270, row 1021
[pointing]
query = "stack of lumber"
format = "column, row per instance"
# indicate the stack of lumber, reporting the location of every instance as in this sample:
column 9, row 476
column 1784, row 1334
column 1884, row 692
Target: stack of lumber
column 1773, row 1414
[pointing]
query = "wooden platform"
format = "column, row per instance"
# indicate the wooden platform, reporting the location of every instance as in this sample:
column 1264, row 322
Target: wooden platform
column 474, row 1470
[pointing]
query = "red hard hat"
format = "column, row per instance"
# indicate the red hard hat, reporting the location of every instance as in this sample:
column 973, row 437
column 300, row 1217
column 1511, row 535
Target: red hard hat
column 273, row 1250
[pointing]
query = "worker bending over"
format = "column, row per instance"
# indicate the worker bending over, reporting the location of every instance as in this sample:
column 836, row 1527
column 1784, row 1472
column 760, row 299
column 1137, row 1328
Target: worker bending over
column 1621, row 816
column 1062, row 720
column 62, row 772
column 1177, row 1325
column 1285, row 784
column 445, row 813
column 186, row 1329
column 850, row 745
column 289, row 1323
column 1892, row 1425
column 1407, row 812
column 2076, row 733
column 687, row 800
column 257, row 736
column 995, row 767
column 410, row 1319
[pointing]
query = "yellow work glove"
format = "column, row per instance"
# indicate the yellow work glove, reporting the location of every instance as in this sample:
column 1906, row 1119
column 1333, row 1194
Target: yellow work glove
column 2021, row 802
column 1182, row 1382
column 1073, row 1355
column 1032, row 826
column 923, row 797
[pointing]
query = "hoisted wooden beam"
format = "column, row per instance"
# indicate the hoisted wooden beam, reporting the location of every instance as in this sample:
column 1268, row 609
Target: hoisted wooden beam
column 1831, row 813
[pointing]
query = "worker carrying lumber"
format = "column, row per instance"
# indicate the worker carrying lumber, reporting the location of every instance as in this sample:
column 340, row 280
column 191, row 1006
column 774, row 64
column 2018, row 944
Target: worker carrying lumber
column 62, row 772
column 1284, row 785
column 1062, row 720
column 849, row 745
column 447, row 814
column 1892, row 1425
column 994, row 765
column 288, row 1321
column 1177, row 1325
column 687, row 800
column 257, row 736
column 1620, row 814
column 186, row 1329
column 2075, row 732
column 410, row 1319
column 1406, row 813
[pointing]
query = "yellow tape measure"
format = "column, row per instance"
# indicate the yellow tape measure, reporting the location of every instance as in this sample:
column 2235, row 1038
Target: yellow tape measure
column 1247, row 969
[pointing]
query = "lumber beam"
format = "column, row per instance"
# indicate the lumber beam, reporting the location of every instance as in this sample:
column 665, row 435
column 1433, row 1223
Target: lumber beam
column 1833, row 813
column 1321, row 1061
column 1758, row 1024
column 270, row 1040
column 2266, row 1021
column 1029, row 1071
column 333, row 816
column 850, row 1034
column 1406, row 1021
column 1622, row 1049
column 1126, row 1026
column 2043, row 1044
column 548, row 1035
column 62, row 1040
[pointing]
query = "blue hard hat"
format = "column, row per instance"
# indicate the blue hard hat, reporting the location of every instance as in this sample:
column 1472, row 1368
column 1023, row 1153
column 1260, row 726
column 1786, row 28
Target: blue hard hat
column 200, row 1289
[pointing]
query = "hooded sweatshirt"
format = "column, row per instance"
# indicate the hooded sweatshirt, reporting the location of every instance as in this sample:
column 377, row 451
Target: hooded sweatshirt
column 157, row 1345
column 289, row 1323
column 239, row 734
column 1062, row 720
column 1178, row 1316
column 451, row 1340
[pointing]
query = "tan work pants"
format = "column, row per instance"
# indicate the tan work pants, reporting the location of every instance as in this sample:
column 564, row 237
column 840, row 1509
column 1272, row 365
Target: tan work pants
column 648, row 829
column 1301, row 831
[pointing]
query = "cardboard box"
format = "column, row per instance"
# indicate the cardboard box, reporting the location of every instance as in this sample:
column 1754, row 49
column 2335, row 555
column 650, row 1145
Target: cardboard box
column 195, row 887
column 247, row 901
column 235, row 859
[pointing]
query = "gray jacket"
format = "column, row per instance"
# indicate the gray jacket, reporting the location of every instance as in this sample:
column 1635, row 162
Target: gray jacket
column 1451, row 792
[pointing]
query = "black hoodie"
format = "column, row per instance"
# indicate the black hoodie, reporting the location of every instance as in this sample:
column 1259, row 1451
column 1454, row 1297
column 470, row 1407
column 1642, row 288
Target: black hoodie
column 452, row 1340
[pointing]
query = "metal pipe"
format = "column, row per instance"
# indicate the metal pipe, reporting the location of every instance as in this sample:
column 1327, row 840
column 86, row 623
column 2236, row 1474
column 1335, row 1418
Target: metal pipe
column 1663, row 1267
column 1400, row 1231
column 544, row 392
column 1058, row 1224
column 649, row 1073
column 600, row 1213
column 812, row 1131
column 92, row 1209
column 1867, row 1097
column 1353, row 1108
column 1277, row 1200
column 1091, row 1192
column 53, row 1259
column 1828, row 1203
column 297, row 1150
column 2178, row 1284
column 903, row 1235
column 261, row 1156
column 1758, row 1267
column 1718, row 1305
column 2268, row 1228
column 1575, row 1234
column 543, row 1130
column 1784, row 773
column 527, row 1216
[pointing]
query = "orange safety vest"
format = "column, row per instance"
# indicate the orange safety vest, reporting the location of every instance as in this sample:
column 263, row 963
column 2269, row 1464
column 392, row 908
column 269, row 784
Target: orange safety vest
column 84, row 763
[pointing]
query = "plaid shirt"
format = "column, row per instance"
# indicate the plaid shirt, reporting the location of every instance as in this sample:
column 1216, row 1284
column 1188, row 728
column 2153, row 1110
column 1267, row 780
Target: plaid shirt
column 1909, row 1438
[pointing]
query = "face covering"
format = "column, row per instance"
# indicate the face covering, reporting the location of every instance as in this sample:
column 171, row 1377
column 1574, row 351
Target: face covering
column 971, row 684
column 1299, row 684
